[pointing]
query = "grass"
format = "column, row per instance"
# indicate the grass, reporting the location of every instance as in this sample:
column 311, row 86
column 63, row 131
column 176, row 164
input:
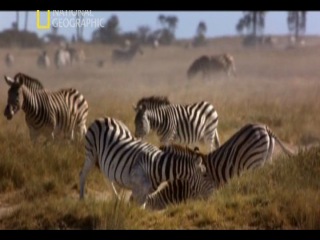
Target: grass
column 274, row 86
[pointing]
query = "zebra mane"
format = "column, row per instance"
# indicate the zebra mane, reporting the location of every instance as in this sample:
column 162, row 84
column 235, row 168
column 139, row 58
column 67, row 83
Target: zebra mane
column 181, row 150
column 158, row 101
column 28, row 81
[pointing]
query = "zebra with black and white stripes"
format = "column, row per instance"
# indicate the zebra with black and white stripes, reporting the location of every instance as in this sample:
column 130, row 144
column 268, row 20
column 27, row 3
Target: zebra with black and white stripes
column 208, row 65
column 46, row 112
column 249, row 148
column 180, row 190
column 125, row 55
column 184, row 124
column 131, row 163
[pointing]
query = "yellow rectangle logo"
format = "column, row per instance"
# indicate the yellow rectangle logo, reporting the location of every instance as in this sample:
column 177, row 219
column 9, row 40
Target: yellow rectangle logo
column 39, row 26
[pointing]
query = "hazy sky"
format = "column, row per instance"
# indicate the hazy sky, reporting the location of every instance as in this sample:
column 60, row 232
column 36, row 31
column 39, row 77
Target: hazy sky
column 219, row 23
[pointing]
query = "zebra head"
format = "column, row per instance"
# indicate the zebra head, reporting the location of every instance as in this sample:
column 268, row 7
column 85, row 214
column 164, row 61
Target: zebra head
column 141, row 121
column 14, row 94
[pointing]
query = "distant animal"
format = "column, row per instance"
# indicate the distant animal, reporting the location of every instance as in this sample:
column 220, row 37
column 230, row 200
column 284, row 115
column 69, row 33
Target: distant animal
column 76, row 56
column 207, row 65
column 43, row 60
column 121, row 55
column 46, row 112
column 62, row 58
column 185, row 124
column 9, row 59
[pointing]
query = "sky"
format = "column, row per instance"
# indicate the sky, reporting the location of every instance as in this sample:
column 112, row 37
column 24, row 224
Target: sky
column 219, row 23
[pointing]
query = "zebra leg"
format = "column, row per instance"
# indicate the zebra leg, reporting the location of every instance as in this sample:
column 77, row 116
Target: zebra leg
column 34, row 134
column 115, row 190
column 89, row 163
column 270, row 150
column 216, row 139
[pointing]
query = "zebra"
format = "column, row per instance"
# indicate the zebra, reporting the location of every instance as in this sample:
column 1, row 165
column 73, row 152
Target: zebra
column 180, row 190
column 120, row 55
column 46, row 112
column 249, row 148
column 9, row 59
column 131, row 163
column 62, row 58
column 211, row 64
column 43, row 60
column 185, row 124
column 76, row 56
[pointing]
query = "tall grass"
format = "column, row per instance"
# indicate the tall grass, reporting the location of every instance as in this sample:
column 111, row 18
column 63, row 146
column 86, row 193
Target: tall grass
column 277, row 87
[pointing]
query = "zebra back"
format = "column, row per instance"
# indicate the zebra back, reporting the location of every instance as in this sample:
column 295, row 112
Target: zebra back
column 200, row 64
column 152, row 102
column 248, row 148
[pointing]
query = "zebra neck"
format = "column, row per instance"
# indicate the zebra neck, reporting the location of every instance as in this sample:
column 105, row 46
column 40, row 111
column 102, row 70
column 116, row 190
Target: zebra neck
column 156, row 118
column 31, row 102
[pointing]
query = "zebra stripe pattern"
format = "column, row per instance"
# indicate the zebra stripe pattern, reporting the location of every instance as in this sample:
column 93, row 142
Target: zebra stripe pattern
column 207, row 65
column 121, row 55
column 185, row 124
column 180, row 190
column 249, row 148
column 46, row 112
column 131, row 163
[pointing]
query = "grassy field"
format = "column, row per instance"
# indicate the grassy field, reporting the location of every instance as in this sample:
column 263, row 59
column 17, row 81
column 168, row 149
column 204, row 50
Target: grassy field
column 39, row 185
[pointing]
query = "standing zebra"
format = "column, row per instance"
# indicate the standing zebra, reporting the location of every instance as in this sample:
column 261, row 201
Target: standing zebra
column 9, row 59
column 120, row 55
column 131, row 163
column 185, row 124
column 249, row 148
column 211, row 64
column 43, row 60
column 179, row 190
column 62, row 58
column 46, row 112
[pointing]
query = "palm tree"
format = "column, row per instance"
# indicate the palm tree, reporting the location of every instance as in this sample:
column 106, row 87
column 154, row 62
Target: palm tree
column 17, row 20
column 26, row 21
column 162, row 20
column 297, row 23
column 201, row 29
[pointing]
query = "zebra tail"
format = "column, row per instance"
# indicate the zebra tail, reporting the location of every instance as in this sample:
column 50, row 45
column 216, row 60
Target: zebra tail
column 285, row 149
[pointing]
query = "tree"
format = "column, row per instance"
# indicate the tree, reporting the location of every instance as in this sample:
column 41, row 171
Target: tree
column 169, row 25
column 108, row 34
column 143, row 32
column 79, row 29
column 297, row 23
column 200, row 38
column 26, row 21
column 253, row 22
column 17, row 20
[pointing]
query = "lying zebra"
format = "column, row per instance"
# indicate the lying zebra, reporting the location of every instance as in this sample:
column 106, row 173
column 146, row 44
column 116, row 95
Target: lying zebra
column 249, row 148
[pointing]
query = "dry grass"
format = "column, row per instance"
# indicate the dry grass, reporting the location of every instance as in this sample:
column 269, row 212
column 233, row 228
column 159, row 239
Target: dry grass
column 274, row 86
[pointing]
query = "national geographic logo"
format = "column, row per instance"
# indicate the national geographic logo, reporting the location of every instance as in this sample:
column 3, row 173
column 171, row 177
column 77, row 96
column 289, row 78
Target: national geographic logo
column 69, row 19
column 39, row 26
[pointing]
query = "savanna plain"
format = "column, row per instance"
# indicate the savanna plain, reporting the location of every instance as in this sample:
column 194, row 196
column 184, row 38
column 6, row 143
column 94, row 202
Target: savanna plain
column 39, row 184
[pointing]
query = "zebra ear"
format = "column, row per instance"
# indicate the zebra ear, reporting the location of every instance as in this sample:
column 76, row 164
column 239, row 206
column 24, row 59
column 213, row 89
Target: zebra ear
column 200, row 163
column 196, row 149
column 8, row 80
column 134, row 108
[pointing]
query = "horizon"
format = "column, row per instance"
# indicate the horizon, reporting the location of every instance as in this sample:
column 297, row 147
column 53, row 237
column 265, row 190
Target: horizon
column 219, row 23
